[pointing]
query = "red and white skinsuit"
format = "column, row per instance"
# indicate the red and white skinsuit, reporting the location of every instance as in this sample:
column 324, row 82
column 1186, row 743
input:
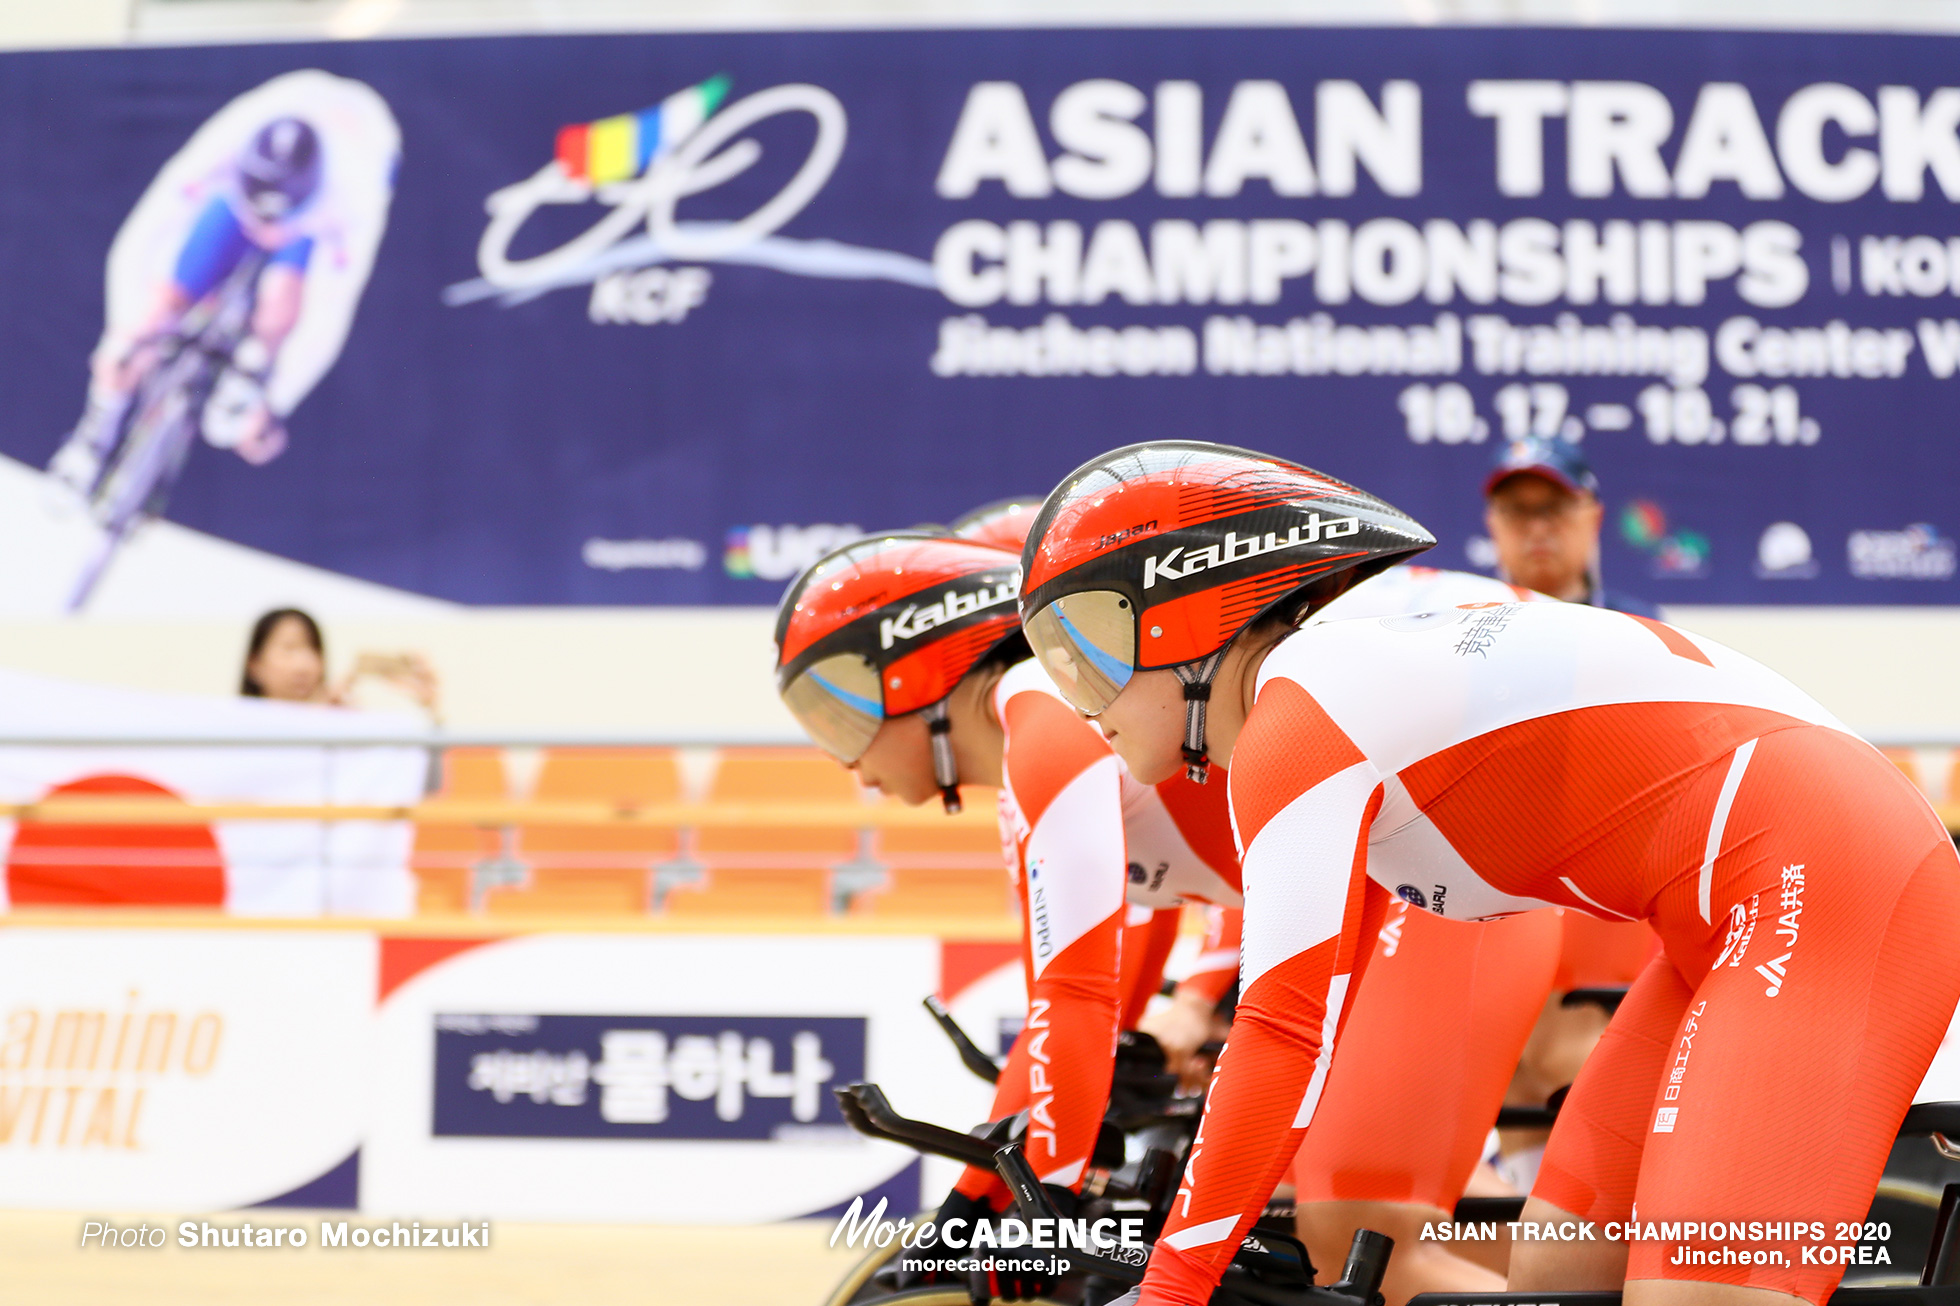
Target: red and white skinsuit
column 1499, row 759
column 1441, row 1025
column 1437, row 1031
column 1073, row 827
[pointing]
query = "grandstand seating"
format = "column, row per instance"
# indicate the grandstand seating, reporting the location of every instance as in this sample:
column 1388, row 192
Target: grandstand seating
column 772, row 870
column 535, row 870
column 928, row 871
column 584, row 869
column 445, row 855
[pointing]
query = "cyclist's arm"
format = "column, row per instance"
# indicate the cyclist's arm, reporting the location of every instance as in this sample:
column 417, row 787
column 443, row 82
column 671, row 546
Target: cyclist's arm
column 1065, row 780
column 1217, row 967
column 1191, row 1018
column 1149, row 934
column 1304, row 798
column 282, row 292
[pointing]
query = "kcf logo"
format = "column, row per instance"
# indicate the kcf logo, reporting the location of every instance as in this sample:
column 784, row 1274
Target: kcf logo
column 623, row 179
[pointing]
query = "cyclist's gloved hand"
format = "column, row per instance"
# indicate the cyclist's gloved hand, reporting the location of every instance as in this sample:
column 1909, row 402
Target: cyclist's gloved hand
column 1021, row 1274
column 1029, row 1273
column 957, row 1206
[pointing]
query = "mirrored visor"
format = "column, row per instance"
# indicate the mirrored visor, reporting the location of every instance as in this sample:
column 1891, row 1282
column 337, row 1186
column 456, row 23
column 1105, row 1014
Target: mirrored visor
column 1087, row 643
column 839, row 703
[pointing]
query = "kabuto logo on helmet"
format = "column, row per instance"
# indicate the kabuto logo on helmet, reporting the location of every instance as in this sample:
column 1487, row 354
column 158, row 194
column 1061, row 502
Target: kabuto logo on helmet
column 889, row 625
column 1234, row 549
column 915, row 621
column 1101, row 604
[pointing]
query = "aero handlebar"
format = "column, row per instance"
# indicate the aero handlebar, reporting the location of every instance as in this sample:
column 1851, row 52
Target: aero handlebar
column 970, row 1054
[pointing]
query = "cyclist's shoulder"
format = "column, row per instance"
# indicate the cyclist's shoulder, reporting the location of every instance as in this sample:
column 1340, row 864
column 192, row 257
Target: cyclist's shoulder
column 1412, row 588
column 1043, row 731
column 1023, row 678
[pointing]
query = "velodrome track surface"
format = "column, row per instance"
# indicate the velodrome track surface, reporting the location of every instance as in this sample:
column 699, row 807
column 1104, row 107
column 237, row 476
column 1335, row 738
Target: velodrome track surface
column 42, row 1264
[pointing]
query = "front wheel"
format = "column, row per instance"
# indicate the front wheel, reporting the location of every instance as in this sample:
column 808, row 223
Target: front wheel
column 852, row 1289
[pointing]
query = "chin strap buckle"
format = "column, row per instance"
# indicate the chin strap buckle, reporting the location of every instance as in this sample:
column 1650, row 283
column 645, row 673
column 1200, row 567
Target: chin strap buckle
column 1197, row 678
column 945, row 772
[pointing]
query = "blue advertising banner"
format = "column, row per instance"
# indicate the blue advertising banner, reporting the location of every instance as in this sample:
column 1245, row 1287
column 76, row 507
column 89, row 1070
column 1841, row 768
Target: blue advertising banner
column 733, row 1077
column 658, row 318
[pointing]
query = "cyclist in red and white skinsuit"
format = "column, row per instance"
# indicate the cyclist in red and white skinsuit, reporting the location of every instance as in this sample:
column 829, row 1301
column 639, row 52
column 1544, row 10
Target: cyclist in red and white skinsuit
column 1435, row 1037
column 1179, row 837
column 901, row 656
column 1439, row 1028
column 1503, row 759
column 1592, row 953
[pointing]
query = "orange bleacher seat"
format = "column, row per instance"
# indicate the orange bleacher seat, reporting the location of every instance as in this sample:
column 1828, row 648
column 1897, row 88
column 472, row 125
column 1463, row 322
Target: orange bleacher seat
column 444, row 854
column 577, row 869
column 771, row 870
column 1907, row 763
column 954, row 870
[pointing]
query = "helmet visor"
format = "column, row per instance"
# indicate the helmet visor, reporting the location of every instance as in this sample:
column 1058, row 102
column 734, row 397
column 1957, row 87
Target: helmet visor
column 1087, row 643
column 839, row 703
column 268, row 202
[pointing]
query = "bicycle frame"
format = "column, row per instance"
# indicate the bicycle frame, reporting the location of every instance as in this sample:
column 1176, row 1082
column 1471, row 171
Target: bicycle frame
column 166, row 415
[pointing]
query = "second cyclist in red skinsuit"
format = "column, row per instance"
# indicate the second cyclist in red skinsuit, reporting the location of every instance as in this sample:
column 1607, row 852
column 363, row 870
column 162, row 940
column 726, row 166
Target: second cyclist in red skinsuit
column 1498, row 760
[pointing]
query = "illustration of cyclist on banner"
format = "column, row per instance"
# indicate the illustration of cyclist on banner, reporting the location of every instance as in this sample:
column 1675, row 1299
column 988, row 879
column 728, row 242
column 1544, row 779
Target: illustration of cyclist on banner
column 230, row 290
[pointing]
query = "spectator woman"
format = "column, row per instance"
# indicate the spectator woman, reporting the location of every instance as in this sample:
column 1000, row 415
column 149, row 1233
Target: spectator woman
column 286, row 660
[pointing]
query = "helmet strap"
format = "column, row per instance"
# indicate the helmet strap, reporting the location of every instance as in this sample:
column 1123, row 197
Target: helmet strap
column 1197, row 677
column 945, row 771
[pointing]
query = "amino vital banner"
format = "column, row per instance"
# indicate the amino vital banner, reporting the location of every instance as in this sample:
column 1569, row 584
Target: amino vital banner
column 658, row 318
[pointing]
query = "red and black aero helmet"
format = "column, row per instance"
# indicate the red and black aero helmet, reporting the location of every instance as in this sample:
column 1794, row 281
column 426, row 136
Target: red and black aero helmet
column 1158, row 555
column 1003, row 523
column 887, row 625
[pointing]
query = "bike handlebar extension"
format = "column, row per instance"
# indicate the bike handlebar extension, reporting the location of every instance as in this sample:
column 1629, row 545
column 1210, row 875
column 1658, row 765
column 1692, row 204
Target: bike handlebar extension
column 970, row 1054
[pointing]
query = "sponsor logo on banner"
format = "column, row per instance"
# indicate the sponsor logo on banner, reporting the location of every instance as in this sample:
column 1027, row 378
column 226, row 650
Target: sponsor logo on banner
column 665, row 1077
column 652, row 555
column 780, row 552
column 638, row 167
column 1676, row 554
column 160, row 1069
column 1410, row 894
column 1919, row 552
column 78, row 1078
column 1783, row 553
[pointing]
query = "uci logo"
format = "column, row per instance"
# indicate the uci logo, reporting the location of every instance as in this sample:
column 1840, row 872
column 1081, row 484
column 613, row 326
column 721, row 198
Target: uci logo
column 780, row 552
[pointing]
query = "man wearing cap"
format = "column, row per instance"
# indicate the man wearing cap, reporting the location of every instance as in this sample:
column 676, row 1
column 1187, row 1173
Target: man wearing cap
column 1541, row 506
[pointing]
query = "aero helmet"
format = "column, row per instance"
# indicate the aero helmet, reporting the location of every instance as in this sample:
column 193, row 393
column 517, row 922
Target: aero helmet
column 279, row 169
column 1003, row 523
column 887, row 625
column 1158, row 555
